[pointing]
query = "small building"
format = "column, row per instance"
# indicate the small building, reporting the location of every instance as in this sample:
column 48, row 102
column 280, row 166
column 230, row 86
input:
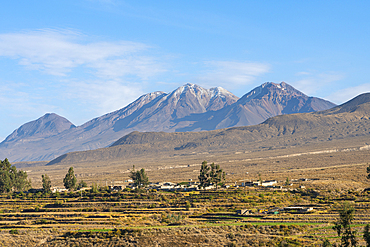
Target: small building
column 251, row 183
column 57, row 189
column 209, row 187
column 116, row 188
column 167, row 186
column 268, row 183
column 242, row 212
column 305, row 210
column 298, row 209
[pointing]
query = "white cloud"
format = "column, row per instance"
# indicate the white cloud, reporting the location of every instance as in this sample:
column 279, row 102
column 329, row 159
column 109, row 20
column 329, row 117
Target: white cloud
column 231, row 74
column 346, row 94
column 59, row 52
column 19, row 106
column 18, row 102
column 104, row 96
column 311, row 83
column 102, row 76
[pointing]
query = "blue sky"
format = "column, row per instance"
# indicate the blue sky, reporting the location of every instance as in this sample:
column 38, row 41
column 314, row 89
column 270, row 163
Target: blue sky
column 84, row 58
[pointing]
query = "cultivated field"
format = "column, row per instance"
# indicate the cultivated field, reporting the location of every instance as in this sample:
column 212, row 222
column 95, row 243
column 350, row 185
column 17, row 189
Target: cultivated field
column 187, row 219
column 332, row 174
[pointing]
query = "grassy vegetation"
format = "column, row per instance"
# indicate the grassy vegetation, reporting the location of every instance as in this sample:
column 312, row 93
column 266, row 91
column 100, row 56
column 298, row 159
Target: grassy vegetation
column 127, row 213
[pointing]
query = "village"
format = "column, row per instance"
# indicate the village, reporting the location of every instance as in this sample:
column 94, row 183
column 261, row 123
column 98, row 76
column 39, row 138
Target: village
column 190, row 186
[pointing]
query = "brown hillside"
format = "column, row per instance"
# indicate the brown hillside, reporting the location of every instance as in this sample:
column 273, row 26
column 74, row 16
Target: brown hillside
column 346, row 121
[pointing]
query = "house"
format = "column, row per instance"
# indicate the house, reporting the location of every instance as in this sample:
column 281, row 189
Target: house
column 209, row 187
column 268, row 183
column 305, row 210
column 167, row 186
column 57, row 189
column 192, row 187
column 242, row 212
column 298, row 209
column 115, row 188
column 251, row 183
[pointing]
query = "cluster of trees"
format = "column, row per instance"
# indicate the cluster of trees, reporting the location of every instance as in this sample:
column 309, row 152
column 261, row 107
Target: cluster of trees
column 11, row 179
column 139, row 177
column 69, row 181
column 212, row 174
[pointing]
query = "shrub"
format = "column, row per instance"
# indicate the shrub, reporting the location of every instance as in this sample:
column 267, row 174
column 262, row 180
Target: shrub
column 13, row 231
column 187, row 205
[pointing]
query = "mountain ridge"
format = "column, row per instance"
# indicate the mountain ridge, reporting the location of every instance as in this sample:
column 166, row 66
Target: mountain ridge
column 278, row 132
column 187, row 108
column 49, row 124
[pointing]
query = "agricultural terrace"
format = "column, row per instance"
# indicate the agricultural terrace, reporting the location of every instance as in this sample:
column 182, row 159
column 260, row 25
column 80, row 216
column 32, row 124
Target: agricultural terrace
column 129, row 217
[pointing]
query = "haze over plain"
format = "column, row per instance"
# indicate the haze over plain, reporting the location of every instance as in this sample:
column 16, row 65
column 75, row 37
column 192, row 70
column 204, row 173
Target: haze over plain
column 86, row 58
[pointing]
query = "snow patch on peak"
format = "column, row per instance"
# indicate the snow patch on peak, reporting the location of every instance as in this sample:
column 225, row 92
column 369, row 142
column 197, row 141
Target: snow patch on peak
column 158, row 93
column 218, row 92
column 191, row 88
column 189, row 85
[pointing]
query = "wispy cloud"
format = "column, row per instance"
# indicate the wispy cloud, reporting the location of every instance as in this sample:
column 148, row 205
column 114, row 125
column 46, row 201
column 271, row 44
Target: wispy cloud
column 18, row 102
column 58, row 52
column 19, row 106
column 232, row 74
column 104, row 75
column 346, row 94
column 104, row 96
column 310, row 82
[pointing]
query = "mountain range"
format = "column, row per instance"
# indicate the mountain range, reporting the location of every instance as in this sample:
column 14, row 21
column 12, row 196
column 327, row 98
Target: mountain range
column 188, row 108
column 344, row 127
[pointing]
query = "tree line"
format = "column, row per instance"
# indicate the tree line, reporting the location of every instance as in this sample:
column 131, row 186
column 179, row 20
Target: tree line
column 13, row 180
column 69, row 181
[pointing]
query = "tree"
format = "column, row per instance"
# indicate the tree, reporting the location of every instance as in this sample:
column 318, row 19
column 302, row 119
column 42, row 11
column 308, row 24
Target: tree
column 70, row 179
column 11, row 179
column 216, row 175
column 204, row 176
column 343, row 225
column 81, row 184
column 94, row 188
column 367, row 235
column 139, row 177
column 21, row 182
column 46, row 183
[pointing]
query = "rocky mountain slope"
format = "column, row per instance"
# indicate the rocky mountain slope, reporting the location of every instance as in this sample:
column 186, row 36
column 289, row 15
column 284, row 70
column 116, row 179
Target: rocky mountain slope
column 188, row 108
column 263, row 102
column 349, row 120
column 48, row 125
